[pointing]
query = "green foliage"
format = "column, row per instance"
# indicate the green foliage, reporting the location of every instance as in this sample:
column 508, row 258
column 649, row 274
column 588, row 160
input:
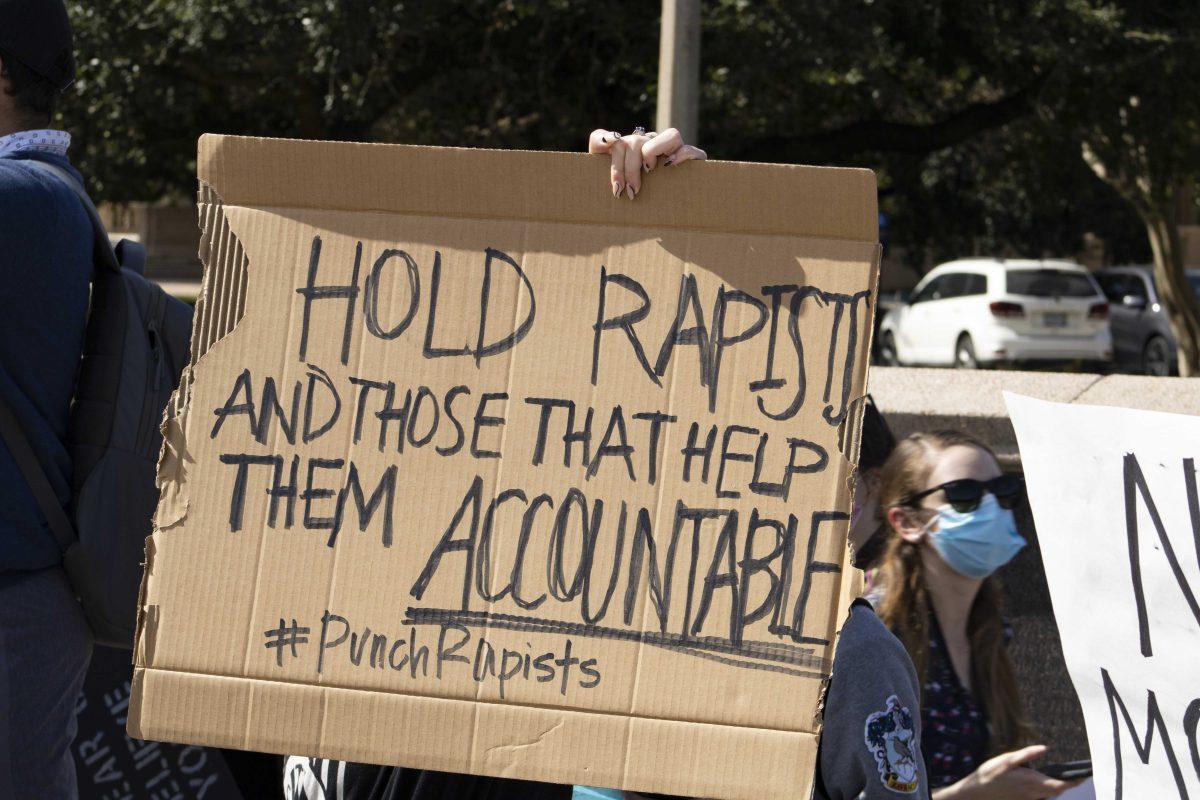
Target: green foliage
column 956, row 103
column 952, row 103
column 1018, row 191
column 1139, row 118
column 154, row 76
column 1140, row 131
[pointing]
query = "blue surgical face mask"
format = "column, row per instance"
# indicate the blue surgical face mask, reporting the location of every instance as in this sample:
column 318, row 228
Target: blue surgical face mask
column 976, row 543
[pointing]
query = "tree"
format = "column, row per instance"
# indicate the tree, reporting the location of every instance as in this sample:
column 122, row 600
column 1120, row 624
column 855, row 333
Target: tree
column 832, row 82
column 1139, row 129
column 943, row 98
column 155, row 75
column 1018, row 191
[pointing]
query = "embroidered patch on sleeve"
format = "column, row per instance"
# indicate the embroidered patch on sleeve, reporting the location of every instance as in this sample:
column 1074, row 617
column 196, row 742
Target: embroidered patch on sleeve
column 891, row 738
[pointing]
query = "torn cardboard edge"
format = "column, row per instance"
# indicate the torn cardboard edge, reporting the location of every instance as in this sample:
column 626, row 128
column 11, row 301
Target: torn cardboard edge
column 143, row 646
column 538, row 186
column 225, row 264
column 850, row 446
column 219, row 308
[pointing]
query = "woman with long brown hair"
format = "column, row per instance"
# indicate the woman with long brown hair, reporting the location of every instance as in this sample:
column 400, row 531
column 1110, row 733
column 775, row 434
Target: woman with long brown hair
column 948, row 506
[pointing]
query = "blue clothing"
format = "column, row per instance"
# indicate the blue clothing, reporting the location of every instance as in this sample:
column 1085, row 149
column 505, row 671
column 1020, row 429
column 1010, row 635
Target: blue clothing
column 871, row 744
column 45, row 272
column 45, row 647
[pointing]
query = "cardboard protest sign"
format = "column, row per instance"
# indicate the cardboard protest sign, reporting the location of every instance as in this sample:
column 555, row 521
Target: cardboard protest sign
column 1114, row 496
column 478, row 469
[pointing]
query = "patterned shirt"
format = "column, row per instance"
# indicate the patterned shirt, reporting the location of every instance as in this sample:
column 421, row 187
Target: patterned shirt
column 46, row 141
column 954, row 726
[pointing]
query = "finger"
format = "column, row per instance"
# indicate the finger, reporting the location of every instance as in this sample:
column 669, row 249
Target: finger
column 616, row 172
column 633, row 165
column 1024, row 755
column 686, row 153
column 1053, row 787
column 602, row 141
column 664, row 144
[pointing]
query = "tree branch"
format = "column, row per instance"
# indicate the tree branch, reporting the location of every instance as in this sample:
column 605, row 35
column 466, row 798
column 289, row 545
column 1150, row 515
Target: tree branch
column 874, row 136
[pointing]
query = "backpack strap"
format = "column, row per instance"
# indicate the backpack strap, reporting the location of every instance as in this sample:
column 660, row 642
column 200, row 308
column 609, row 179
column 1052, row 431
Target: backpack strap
column 132, row 255
column 35, row 476
column 102, row 253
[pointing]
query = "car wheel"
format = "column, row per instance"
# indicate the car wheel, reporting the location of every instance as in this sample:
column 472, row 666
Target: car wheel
column 1156, row 357
column 964, row 353
column 887, row 350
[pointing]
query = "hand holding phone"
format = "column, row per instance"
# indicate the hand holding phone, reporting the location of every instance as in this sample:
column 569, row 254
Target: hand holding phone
column 1068, row 770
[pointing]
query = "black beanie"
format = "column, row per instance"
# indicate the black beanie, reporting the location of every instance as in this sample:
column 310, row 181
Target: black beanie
column 876, row 439
column 38, row 34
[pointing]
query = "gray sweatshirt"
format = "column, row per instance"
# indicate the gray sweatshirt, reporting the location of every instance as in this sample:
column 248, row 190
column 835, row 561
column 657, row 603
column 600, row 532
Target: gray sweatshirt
column 871, row 742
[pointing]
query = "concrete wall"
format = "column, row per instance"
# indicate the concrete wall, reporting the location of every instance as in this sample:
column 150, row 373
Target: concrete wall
column 925, row 399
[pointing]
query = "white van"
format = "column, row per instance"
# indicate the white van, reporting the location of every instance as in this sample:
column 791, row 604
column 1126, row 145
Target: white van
column 983, row 312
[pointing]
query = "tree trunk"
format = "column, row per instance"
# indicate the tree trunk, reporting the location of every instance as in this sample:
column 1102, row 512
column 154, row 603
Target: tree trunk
column 1176, row 294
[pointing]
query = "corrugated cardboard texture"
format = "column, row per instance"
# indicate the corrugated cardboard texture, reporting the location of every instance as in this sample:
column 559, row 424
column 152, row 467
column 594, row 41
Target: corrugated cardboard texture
column 477, row 468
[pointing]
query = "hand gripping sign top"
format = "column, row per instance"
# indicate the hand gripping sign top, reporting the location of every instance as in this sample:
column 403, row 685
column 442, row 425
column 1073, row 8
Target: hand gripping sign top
column 478, row 469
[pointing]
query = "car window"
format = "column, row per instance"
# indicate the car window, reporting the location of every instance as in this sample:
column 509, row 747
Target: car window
column 1049, row 283
column 934, row 290
column 1194, row 280
column 1119, row 285
column 1113, row 285
column 1136, row 286
column 956, row 285
column 975, row 284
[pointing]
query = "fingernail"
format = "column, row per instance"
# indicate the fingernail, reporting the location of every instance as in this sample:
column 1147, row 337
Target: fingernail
column 629, row 192
column 645, row 167
column 668, row 163
column 617, row 189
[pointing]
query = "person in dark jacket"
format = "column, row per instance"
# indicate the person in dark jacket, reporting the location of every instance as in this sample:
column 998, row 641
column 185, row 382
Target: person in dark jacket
column 45, row 270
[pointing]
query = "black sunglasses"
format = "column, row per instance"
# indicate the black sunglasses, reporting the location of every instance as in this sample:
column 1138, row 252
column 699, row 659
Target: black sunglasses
column 967, row 493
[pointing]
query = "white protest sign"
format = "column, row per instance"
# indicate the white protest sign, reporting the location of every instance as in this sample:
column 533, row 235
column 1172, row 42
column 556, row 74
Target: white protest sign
column 1114, row 496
